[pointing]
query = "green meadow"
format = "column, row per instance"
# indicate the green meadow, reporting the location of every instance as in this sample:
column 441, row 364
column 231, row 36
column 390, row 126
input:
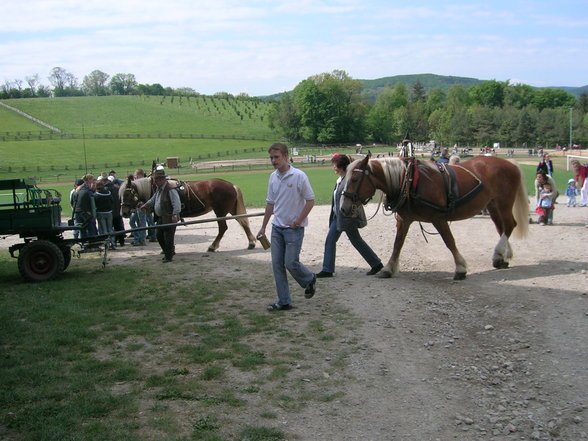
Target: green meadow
column 126, row 132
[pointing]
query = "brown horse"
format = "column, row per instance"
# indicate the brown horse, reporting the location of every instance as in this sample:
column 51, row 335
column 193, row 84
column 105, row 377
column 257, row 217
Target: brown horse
column 198, row 198
column 424, row 192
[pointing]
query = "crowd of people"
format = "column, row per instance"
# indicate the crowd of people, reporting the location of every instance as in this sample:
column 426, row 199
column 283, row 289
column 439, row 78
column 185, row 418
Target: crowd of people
column 289, row 200
column 95, row 203
column 546, row 192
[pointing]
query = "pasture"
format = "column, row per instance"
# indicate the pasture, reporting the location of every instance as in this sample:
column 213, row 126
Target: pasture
column 130, row 132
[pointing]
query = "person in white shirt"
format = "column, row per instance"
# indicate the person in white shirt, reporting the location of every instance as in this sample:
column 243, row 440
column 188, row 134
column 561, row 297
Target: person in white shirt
column 289, row 199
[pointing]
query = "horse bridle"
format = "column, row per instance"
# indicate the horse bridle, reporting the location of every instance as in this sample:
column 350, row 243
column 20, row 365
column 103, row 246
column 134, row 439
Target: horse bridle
column 354, row 196
column 135, row 196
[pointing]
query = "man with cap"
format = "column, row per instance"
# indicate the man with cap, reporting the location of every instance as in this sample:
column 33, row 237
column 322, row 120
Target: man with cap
column 166, row 205
column 116, row 180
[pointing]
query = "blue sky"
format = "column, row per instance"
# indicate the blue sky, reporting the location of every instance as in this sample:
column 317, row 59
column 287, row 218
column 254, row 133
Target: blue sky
column 261, row 47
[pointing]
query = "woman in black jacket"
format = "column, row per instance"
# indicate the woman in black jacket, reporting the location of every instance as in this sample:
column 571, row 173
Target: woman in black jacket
column 339, row 223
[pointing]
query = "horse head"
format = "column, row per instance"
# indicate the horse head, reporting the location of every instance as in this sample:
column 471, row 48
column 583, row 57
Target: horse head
column 129, row 197
column 358, row 190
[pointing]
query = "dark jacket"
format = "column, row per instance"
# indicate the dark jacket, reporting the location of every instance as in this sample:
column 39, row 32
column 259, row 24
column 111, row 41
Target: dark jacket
column 345, row 223
column 83, row 200
column 545, row 167
column 103, row 201
column 115, row 199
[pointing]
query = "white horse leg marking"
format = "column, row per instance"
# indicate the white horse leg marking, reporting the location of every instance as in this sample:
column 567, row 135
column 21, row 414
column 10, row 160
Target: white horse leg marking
column 461, row 266
column 502, row 252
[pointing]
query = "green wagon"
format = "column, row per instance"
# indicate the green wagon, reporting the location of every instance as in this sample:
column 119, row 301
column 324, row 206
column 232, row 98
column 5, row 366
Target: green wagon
column 35, row 215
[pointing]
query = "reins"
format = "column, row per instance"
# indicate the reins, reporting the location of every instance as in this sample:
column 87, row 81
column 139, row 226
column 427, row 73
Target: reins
column 354, row 196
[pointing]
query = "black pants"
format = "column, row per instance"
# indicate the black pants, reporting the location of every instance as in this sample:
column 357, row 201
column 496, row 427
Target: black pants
column 165, row 237
column 119, row 225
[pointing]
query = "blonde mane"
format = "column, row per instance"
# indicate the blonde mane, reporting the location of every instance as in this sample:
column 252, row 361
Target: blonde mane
column 143, row 187
column 393, row 169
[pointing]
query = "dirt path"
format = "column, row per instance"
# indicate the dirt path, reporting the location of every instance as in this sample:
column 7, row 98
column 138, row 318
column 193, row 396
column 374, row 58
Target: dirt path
column 501, row 355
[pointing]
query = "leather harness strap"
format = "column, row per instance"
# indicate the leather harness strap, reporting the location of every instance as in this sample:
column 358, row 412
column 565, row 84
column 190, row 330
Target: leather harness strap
column 187, row 197
column 410, row 181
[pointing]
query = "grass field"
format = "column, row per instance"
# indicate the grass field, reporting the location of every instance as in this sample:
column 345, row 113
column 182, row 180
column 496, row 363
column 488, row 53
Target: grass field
column 83, row 355
column 146, row 115
column 126, row 132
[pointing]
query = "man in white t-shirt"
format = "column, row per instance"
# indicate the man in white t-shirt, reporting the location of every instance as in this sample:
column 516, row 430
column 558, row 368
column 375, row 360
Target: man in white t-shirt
column 289, row 199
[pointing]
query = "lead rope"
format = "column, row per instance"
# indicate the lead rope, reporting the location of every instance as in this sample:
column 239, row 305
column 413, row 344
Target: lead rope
column 191, row 191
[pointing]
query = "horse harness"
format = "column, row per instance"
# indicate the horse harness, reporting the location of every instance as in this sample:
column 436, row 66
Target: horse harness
column 410, row 180
column 189, row 200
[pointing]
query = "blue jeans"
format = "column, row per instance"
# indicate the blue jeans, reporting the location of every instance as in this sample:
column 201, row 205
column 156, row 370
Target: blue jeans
column 138, row 220
column 356, row 240
column 86, row 219
column 286, row 245
column 104, row 219
column 152, row 233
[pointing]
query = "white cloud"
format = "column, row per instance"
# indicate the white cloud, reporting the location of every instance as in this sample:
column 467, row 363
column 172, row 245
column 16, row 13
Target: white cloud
column 263, row 46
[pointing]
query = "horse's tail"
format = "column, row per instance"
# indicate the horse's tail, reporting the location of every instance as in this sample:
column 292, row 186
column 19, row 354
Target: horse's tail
column 239, row 202
column 521, row 208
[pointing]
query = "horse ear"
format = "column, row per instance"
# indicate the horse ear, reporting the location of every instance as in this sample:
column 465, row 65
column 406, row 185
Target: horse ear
column 369, row 154
column 364, row 162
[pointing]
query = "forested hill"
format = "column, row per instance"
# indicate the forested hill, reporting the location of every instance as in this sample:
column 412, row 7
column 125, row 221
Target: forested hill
column 372, row 88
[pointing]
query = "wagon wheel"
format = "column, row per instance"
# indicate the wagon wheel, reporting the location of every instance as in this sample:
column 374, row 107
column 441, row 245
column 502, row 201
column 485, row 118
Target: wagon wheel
column 40, row 260
column 66, row 251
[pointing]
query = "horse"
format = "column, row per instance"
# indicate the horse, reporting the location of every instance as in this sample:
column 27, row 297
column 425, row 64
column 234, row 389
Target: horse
column 198, row 198
column 427, row 192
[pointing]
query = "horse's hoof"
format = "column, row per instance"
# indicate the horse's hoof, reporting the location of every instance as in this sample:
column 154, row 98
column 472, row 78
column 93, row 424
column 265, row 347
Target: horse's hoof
column 500, row 264
column 251, row 246
column 211, row 250
column 384, row 275
column 459, row 276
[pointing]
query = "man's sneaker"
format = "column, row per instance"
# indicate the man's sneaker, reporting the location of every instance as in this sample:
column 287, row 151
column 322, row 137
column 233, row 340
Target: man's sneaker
column 309, row 291
column 277, row 307
column 323, row 274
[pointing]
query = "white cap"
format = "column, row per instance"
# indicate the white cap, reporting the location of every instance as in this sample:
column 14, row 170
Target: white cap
column 111, row 178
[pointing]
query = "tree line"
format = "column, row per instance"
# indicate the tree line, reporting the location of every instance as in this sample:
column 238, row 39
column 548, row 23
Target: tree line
column 329, row 108
column 96, row 83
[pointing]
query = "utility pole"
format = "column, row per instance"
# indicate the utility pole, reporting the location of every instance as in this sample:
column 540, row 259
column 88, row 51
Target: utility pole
column 570, row 145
